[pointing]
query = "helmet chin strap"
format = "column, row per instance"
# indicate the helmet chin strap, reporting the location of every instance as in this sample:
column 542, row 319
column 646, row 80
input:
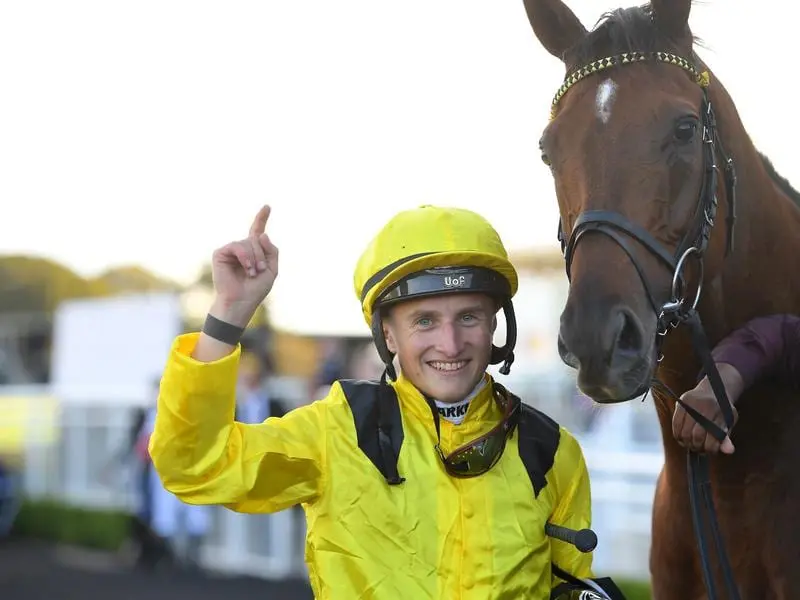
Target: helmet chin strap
column 503, row 355
column 380, row 344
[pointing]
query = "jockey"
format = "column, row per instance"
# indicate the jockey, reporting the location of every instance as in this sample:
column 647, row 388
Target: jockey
column 434, row 482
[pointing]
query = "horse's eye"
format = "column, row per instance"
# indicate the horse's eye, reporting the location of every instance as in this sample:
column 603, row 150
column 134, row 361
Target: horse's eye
column 685, row 130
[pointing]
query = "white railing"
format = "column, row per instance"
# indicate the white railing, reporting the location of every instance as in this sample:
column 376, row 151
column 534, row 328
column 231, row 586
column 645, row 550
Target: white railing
column 623, row 488
column 81, row 466
column 69, row 464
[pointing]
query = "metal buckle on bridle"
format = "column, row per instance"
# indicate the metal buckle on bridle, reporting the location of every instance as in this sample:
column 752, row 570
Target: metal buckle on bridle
column 678, row 308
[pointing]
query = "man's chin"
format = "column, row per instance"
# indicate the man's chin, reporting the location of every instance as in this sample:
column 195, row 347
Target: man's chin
column 450, row 388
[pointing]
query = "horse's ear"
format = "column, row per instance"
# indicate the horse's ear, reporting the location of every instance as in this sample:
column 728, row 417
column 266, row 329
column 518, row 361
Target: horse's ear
column 672, row 16
column 556, row 26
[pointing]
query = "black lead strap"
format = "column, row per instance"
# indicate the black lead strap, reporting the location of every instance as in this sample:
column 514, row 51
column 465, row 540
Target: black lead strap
column 700, row 493
column 699, row 470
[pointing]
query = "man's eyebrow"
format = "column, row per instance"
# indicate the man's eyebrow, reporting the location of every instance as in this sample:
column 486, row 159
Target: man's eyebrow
column 474, row 308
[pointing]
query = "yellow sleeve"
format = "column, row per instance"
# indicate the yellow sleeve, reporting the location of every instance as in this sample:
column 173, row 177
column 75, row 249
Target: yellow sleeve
column 204, row 457
column 573, row 506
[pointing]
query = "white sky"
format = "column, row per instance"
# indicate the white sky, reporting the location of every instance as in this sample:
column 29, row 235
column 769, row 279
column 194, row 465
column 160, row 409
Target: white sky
column 151, row 132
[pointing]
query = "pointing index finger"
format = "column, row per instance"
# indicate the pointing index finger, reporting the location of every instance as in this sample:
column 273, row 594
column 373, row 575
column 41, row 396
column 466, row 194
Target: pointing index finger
column 260, row 222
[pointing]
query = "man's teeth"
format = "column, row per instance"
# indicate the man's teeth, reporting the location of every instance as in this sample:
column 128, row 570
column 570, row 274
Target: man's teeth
column 447, row 366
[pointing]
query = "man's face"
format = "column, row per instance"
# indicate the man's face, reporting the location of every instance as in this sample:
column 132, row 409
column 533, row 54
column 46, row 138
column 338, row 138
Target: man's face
column 443, row 343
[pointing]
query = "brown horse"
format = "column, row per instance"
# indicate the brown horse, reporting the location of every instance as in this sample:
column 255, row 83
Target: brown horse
column 642, row 177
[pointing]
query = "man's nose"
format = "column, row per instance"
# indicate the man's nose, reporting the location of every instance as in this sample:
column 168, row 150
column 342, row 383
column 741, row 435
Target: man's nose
column 449, row 340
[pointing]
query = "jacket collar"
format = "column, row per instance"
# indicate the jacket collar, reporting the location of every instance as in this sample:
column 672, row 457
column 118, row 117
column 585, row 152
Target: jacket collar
column 482, row 412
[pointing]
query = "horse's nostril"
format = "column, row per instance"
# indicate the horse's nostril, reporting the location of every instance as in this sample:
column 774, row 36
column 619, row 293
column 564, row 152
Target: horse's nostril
column 629, row 338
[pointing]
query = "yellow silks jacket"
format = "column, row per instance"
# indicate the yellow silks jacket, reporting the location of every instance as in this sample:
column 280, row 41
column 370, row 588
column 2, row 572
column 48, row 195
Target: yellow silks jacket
column 434, row 537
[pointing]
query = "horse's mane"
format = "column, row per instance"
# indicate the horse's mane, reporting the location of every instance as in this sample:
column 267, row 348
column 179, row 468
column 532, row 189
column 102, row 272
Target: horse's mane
column 632, row 29
column 780, row 180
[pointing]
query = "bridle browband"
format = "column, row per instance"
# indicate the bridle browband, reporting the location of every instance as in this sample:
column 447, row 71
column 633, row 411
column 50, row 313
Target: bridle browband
column 680, row 308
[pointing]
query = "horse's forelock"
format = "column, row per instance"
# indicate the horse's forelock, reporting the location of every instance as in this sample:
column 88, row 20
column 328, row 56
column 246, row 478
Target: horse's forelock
column 622, row 30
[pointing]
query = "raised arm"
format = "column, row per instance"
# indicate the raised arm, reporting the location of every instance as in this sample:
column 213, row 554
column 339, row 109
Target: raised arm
column 200, row 453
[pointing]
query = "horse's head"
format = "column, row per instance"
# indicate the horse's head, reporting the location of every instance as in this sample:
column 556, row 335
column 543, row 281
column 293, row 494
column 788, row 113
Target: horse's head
column 631, row 145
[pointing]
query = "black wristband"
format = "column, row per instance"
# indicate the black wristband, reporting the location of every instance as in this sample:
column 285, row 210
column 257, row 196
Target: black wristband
column 222, row 331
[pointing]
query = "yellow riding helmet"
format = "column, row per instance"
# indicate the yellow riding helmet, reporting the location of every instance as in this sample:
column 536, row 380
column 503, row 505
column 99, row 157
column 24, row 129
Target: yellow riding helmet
column 424, row 238
column 433, row 250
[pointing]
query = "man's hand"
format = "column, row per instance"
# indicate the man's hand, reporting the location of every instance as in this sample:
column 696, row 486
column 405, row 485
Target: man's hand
column 688, row 432
column 244, row 273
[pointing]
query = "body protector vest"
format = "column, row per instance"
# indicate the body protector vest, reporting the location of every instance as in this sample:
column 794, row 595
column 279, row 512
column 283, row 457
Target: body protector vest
column 379, row 429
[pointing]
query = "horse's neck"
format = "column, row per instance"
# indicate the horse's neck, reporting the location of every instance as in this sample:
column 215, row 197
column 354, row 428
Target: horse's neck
column 757, row 279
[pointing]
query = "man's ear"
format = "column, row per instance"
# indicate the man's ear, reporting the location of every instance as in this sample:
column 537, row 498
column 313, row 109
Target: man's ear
column 494, row 323
column 388, row 335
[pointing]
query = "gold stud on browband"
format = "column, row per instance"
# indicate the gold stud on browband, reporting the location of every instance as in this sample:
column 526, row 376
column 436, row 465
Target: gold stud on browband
column 626, row 58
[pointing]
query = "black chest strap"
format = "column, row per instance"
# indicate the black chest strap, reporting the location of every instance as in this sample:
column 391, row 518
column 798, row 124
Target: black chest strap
column 379, row 430
column 539, row 437
column 379, row 426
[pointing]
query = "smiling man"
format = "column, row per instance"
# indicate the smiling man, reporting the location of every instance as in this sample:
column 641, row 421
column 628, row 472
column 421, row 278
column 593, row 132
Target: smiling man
column 434, row 482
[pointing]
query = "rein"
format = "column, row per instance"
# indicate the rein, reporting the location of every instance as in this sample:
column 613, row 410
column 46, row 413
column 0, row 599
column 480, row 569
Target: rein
column 680, row 308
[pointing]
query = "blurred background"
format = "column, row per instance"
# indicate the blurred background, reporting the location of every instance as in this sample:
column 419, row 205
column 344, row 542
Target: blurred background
column 137, row 137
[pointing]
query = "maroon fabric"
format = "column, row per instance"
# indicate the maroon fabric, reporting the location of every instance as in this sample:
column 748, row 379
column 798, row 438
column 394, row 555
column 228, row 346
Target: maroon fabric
column 765, row 346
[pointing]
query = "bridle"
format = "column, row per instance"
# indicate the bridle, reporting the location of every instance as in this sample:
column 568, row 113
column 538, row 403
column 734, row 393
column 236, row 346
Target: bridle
column 617, row 226
column 680, row 308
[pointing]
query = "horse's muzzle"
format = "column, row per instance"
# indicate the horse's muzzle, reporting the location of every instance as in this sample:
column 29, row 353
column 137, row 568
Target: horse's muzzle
column 612, row 353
